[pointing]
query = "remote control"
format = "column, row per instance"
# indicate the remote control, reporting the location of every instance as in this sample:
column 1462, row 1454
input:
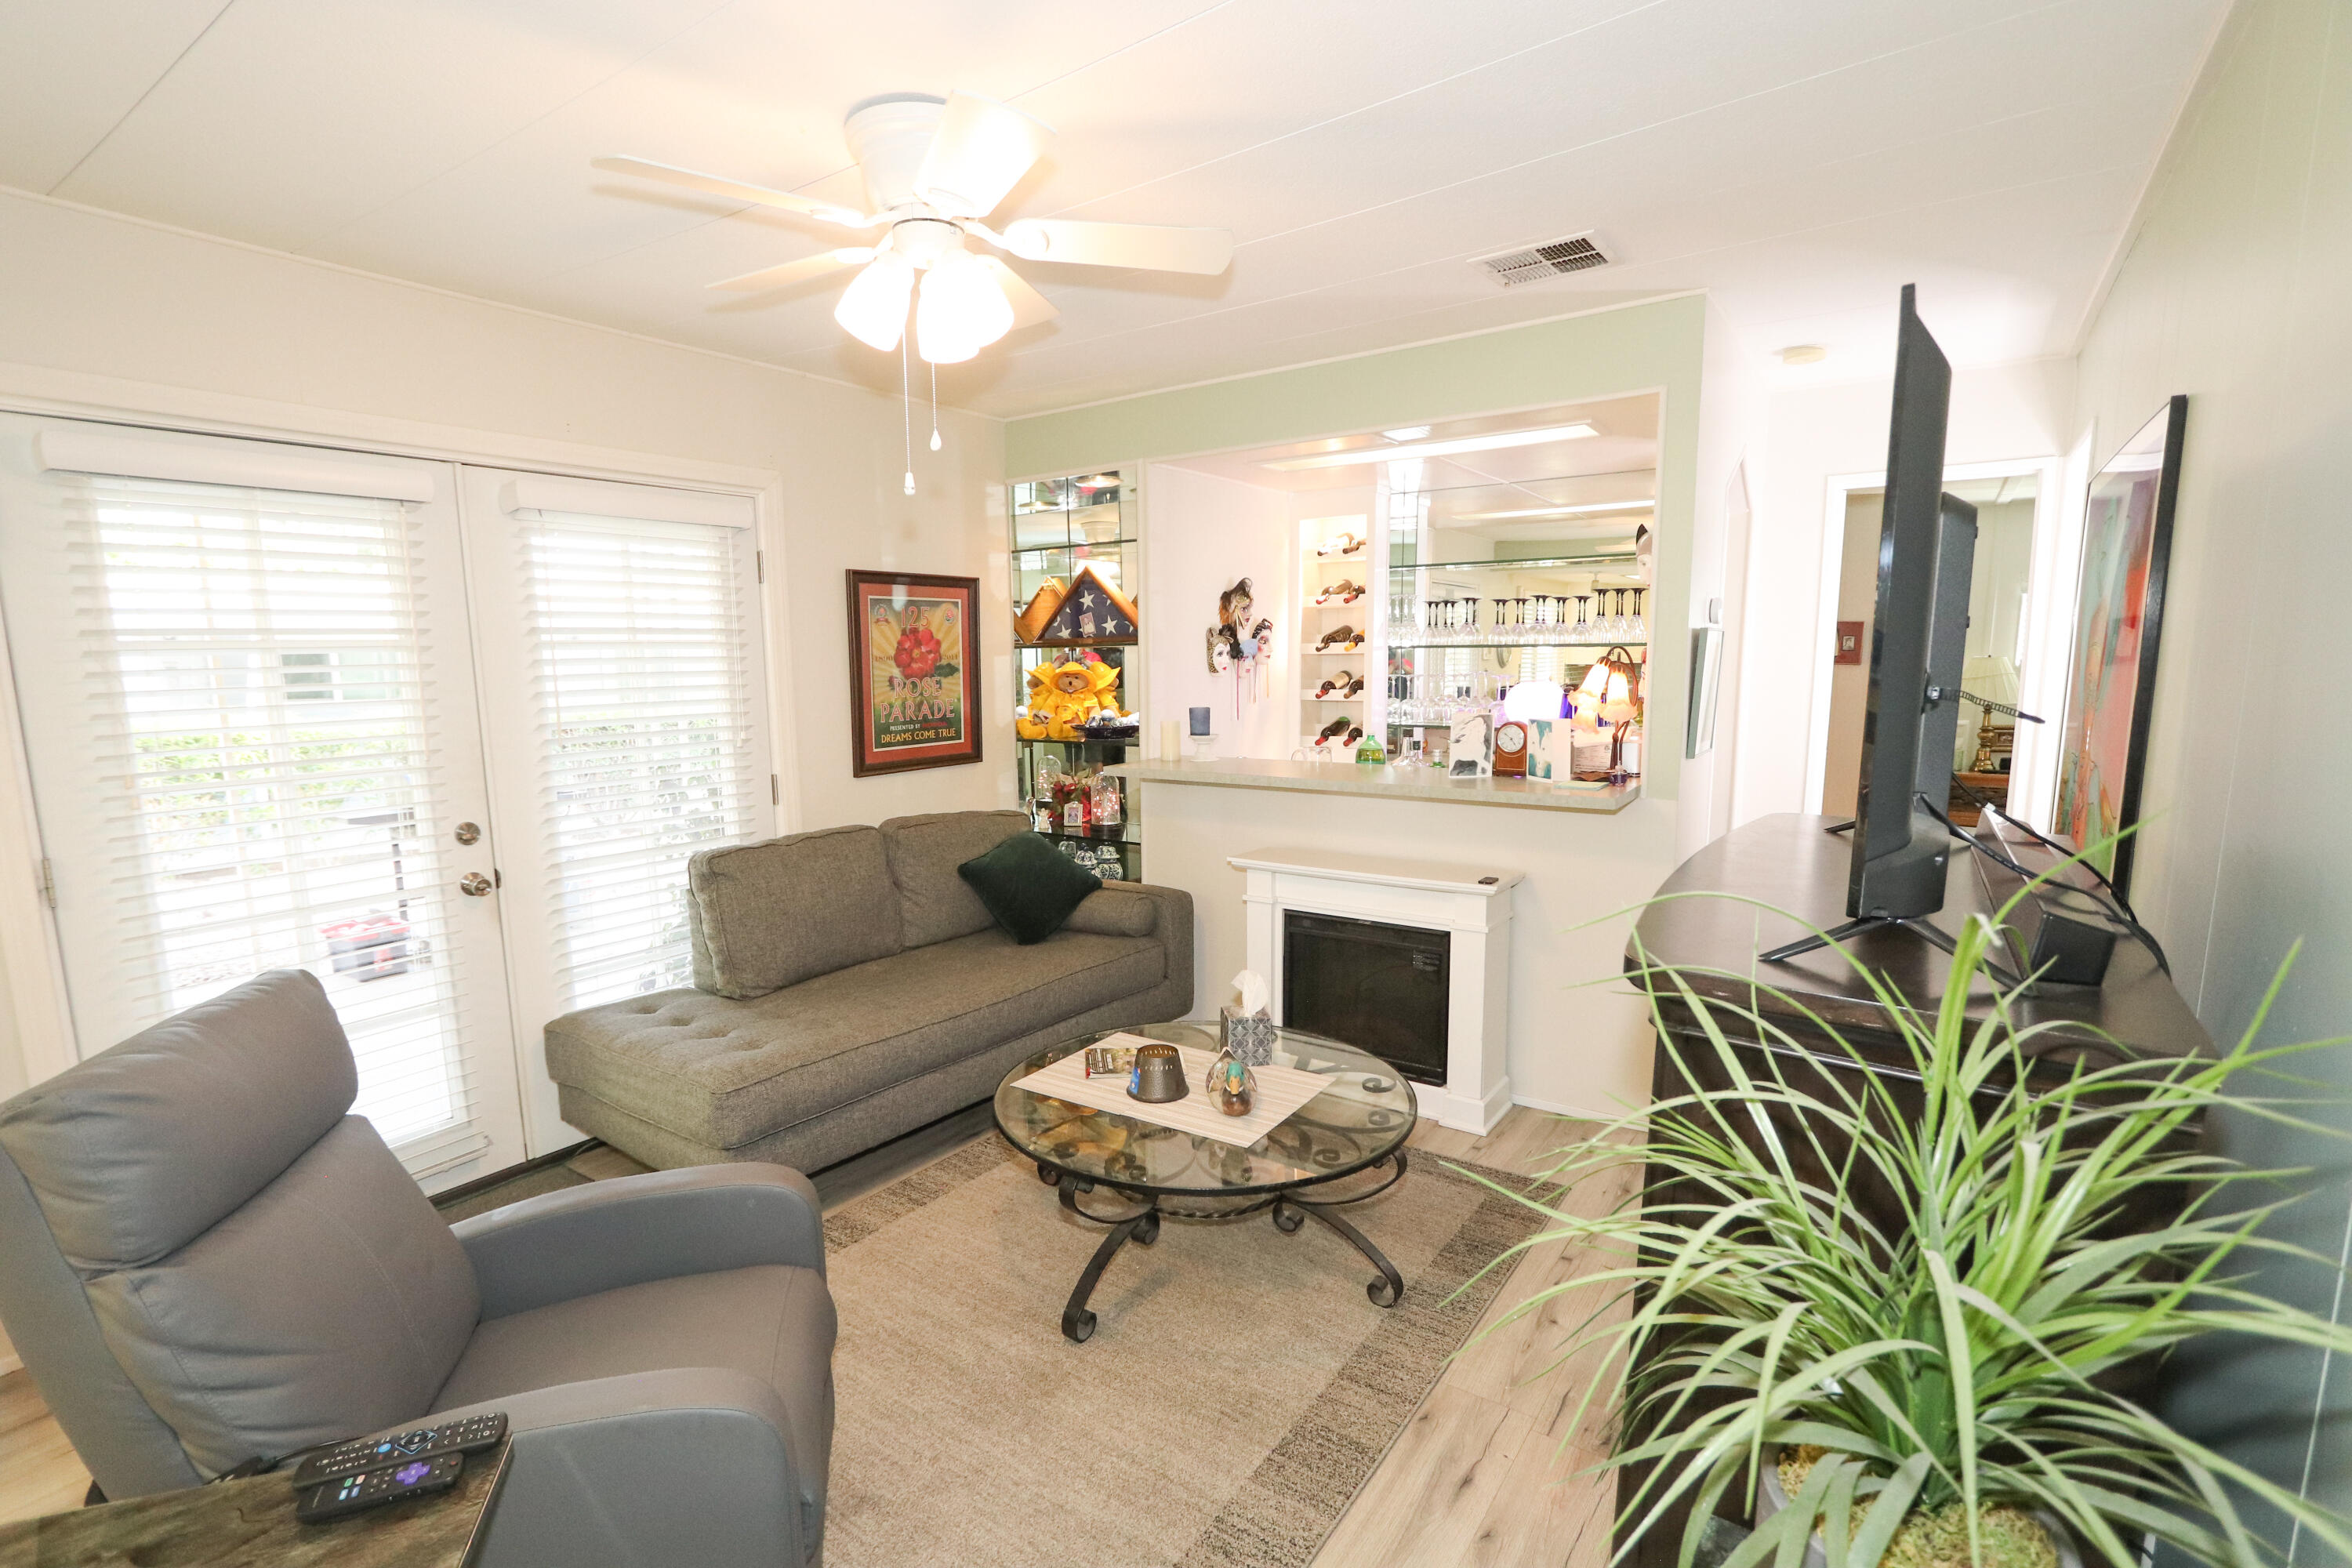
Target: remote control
column 423, row 1443
column 411, row 1478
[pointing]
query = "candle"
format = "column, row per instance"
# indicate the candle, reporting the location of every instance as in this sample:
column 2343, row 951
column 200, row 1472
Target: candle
column 1169, row 745
column 1199, row 720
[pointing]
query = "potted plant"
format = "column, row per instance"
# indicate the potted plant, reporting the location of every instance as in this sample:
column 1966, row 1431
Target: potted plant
column 1956, row 1387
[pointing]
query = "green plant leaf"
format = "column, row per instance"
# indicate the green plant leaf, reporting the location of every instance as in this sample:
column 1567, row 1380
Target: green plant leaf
column 1961, row 1351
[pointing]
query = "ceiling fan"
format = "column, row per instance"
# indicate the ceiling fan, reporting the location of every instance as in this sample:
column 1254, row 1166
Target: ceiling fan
column 935, row 168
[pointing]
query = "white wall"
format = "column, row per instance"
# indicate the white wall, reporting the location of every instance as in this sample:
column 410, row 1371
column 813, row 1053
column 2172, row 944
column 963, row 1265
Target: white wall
column 1200, row 534
column 1730, row 427
column 1812, row 434
column 100, row 314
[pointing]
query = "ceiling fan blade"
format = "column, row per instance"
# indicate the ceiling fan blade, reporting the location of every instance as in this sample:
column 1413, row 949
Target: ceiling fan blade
column 1144, row 246
column 733, row 190
column 807, row 266
column 979, row 153
column 1029, row 307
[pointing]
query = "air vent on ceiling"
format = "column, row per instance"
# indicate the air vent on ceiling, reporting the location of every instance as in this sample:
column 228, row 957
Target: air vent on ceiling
column 1533, row 263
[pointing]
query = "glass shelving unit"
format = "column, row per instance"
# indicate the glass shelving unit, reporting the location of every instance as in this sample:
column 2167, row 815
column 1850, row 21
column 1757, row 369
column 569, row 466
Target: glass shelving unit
column 1459, row 632
column 1058, row 526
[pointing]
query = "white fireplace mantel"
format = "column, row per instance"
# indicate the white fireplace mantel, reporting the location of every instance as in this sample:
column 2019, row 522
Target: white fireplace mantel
column 1471, row 903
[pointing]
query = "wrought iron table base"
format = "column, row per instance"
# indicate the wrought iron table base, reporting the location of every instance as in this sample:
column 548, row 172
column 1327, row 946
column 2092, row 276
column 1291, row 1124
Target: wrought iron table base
column 1142, row 1226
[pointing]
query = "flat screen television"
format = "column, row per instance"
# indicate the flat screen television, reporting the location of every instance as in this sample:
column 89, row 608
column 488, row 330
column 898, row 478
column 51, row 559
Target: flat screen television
column 1918, row 642
column 1926, row 549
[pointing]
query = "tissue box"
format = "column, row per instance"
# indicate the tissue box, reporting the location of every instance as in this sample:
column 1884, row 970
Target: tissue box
column 1250, row 1036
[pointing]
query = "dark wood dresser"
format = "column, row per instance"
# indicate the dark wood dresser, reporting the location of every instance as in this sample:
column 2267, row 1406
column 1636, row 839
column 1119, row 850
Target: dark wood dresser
column 1790, row 863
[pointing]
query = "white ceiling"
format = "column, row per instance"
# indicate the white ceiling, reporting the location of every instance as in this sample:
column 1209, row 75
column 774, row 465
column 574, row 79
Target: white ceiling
column 1624, row 444
column 1799, row 159
column 1500, row 494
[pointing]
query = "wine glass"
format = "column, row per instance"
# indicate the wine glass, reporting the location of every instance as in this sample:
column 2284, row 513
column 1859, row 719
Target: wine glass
column 1641, row 627
column 1583, row 630
column 1470, row 618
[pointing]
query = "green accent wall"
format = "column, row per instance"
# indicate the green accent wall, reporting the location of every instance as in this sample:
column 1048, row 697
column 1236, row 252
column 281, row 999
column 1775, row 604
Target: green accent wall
column 1654, row 347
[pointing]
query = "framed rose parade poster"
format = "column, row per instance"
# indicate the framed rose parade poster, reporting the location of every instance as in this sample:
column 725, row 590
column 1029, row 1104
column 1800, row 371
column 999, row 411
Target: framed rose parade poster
column 914, row 671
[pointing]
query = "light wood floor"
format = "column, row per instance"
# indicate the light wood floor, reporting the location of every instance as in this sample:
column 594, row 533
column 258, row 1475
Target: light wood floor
column 1483, row 1473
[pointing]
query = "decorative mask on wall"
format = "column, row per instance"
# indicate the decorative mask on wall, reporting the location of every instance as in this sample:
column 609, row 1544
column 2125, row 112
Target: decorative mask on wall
column 1232, row 639
column 1237, row 641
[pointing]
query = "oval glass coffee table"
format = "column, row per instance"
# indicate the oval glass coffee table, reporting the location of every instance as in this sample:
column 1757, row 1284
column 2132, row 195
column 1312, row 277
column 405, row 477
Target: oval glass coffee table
column 1344, row 1145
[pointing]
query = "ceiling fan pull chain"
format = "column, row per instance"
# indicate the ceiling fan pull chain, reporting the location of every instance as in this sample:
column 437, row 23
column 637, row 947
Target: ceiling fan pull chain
column 907, row 412
column 935, row 405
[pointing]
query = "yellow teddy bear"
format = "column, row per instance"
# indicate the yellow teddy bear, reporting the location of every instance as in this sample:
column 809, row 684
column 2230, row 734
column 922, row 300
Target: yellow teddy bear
column 1064, row 696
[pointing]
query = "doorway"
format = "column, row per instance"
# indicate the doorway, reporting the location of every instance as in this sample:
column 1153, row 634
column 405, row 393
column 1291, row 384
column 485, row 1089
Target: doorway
column 1996, row 759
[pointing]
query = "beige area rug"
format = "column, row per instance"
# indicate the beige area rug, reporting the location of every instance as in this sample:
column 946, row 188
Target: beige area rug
column 1238, row 1389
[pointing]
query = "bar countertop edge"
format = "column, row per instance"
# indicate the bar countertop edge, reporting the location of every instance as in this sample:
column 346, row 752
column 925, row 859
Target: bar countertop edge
column 1389, row 781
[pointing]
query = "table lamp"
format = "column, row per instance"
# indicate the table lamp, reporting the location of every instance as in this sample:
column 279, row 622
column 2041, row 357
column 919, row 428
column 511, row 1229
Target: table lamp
column 1607, row 693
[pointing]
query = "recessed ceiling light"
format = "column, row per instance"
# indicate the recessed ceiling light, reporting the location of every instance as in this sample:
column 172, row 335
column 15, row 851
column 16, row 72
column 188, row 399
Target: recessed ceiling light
column 1496, row 442
column 1803, row 353
column 1410, row 433
column 1559, row 511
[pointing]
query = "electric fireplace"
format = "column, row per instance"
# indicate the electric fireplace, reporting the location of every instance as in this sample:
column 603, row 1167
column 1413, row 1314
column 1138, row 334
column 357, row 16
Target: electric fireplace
column 1383, row 988
column 1408, row 960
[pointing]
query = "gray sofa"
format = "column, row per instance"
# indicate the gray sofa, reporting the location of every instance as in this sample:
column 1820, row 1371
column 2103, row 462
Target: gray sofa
column 849, row 986
column 208, row 1259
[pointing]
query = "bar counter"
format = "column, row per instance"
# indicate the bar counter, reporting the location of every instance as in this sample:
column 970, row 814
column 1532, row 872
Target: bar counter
column 1391, row 781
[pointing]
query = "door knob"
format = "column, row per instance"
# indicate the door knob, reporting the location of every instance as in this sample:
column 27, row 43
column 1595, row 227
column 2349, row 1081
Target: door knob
column 469, row 832
column 474, row 885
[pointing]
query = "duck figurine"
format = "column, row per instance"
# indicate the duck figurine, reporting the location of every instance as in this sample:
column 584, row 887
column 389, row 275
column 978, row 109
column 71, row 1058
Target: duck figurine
column 1232, row 1087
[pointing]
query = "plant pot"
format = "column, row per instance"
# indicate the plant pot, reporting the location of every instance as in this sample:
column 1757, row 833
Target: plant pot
column 1771, row 1497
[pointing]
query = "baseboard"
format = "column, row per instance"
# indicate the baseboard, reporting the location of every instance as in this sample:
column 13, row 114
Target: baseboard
column 500, row 1177
column 1578, row 1111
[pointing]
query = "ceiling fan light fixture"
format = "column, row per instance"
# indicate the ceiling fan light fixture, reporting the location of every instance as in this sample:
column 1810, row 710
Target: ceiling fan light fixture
column 873, row 309
column 982, row 149
column 962, row 310
column 935, row 168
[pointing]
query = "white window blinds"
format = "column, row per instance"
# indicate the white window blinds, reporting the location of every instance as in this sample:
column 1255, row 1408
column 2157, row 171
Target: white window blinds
column 257, row 716
column 644, row 698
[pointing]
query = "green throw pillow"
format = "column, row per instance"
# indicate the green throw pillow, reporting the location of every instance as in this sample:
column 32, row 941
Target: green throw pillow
column 1029, row 886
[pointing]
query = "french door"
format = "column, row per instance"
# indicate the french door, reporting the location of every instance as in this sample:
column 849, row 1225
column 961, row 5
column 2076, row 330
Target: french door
column 265, row 731
column 623, row 699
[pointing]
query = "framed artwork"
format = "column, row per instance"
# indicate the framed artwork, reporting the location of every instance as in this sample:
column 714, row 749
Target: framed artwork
column 1706, row 674
column 914, row 671
column 2119, row 620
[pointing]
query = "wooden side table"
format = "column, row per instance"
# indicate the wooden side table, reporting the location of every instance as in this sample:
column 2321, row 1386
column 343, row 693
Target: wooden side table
column 250, row 1523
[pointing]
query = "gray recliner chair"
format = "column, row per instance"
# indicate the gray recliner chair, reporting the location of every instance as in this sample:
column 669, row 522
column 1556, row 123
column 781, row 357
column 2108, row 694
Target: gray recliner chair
column 206, row 1258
